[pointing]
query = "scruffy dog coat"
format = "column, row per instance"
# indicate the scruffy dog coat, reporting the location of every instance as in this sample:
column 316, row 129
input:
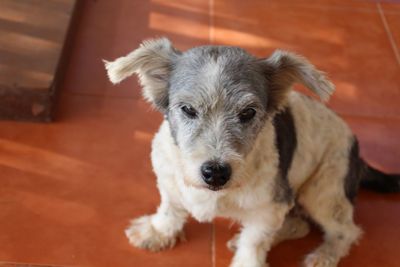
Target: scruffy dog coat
column 237, row 142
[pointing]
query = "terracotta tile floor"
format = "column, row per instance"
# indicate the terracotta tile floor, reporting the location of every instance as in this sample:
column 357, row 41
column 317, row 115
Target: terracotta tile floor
column 68, row 189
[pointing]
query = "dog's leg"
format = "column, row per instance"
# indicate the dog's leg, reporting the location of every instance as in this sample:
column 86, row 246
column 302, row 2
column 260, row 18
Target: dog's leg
column 257, row 236
column 326, row 203
column 339, row 235
column 294, row 227
column 160, row 230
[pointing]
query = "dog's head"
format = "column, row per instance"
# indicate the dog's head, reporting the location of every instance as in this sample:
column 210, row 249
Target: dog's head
column 216, row 100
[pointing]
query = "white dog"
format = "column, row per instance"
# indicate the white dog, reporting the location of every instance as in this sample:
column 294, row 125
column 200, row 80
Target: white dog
column 237, row 142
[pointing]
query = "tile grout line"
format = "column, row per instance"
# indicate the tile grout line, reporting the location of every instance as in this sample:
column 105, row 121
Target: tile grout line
column 213, row 244
column 211, row 21
column 388, row 32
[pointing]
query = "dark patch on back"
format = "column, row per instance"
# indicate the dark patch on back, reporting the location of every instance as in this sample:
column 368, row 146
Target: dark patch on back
column 286, row 143
column 354, row 172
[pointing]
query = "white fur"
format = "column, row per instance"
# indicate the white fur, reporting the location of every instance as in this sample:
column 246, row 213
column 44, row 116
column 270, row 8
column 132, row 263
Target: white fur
column 250, row 199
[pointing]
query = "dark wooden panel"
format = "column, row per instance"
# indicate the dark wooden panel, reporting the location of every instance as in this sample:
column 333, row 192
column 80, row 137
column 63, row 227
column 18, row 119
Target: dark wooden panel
column 33, row 34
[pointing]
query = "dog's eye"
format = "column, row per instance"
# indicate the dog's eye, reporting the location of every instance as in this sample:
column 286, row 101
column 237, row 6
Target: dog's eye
column 247, row 114
column 189, row 111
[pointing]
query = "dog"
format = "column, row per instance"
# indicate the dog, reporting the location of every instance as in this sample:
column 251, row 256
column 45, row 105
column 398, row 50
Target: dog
column 238, row 142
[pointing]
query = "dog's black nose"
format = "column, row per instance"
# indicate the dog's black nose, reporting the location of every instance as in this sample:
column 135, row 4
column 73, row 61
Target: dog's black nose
column 216, row 174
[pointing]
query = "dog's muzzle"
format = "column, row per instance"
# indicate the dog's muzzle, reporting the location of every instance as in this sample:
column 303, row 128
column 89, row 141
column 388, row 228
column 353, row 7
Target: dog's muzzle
column 216, row 174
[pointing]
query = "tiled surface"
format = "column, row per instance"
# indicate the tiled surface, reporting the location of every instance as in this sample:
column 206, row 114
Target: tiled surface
column 390, row 6
column 392, row 15
column 68, row 189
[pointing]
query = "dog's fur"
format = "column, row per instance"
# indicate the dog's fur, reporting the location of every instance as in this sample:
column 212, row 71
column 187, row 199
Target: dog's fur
column 295, row 154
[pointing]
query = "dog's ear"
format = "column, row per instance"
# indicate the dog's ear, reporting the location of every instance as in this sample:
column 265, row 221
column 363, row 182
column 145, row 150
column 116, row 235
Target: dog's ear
column 152, row 61
column 283, row 69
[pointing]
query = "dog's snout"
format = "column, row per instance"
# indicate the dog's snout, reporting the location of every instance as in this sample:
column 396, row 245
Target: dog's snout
column 216, row 174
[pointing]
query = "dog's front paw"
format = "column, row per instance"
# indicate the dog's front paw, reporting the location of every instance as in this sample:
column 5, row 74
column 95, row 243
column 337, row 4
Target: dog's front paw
column 319, row 259
column 248, row 262
column 142, row 234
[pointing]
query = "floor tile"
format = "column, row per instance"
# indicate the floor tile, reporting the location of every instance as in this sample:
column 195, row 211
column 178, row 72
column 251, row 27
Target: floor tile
column 351, row 46
column 107, row 30
column 392, row 15
column 390, row 6
column 71, row 187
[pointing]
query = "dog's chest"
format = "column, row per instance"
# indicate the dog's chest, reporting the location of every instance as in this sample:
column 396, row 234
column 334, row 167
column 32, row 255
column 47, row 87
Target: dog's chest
column 206, row 205
column 202, row 206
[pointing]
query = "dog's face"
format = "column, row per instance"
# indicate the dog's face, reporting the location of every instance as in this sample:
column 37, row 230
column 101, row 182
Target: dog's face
column 216, row 100
column 217, row 106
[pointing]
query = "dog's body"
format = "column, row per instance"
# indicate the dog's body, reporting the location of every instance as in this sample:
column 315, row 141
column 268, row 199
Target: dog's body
column 260, row 189
column 271, row 150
